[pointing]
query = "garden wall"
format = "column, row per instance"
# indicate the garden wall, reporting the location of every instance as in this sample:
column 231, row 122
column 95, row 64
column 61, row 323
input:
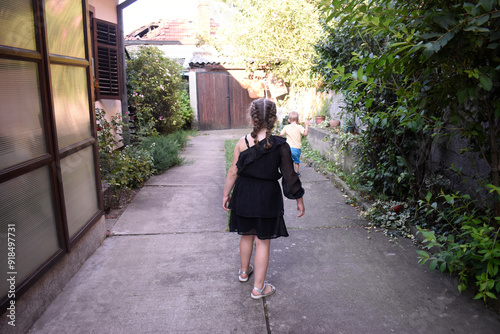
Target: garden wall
column 474, row 170
column 446, row 153
column 327, row 143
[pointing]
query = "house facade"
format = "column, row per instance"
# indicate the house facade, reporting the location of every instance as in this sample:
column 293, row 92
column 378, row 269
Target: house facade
column 59, row 59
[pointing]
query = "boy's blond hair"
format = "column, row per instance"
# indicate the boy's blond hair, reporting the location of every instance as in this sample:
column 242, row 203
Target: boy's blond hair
column 293, row 116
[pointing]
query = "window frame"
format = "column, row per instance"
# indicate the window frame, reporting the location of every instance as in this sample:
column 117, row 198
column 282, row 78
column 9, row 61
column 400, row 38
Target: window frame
column 52, row 158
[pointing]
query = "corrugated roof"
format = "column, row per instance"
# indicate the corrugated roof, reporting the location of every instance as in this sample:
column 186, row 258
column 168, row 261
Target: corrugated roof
column 200, row 61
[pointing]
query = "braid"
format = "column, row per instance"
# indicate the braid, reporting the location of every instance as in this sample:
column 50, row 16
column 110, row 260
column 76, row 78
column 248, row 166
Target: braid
column 256, row 122
column 263, row 113
column 270, row 120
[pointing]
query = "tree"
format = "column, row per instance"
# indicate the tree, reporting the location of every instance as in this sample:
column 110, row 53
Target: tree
column 277, row 35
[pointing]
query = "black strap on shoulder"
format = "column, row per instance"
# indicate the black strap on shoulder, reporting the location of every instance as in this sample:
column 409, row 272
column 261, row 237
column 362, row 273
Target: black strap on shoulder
column 246, row 141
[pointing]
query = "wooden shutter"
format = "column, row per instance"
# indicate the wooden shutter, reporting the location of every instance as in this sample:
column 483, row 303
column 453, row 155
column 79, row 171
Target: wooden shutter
column 106, row 37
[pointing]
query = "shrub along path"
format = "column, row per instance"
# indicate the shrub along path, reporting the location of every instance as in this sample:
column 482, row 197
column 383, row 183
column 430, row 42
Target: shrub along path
column 169, row 266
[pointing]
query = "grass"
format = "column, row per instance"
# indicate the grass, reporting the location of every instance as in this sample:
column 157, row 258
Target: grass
column 229, row 146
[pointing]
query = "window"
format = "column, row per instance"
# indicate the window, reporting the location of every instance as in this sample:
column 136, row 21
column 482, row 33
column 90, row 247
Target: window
column 106, row 58
column 49, row 173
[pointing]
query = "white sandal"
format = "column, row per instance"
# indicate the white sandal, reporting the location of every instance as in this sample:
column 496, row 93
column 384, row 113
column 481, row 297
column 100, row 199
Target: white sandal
column 248, row 273
column 261, row 291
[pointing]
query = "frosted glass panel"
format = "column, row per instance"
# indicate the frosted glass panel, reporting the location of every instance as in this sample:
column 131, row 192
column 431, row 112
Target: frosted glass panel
column 71, row 104
column 21, row 130
column 79, row 186
column 26, row 205
column 65, row 27
column 17, row 24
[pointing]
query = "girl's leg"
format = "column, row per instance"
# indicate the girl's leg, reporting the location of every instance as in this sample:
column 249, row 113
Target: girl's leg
column 246, row 248
column 261, row 261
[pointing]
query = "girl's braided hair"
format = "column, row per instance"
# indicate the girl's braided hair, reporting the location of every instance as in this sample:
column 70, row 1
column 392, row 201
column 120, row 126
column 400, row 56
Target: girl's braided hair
column 263, row 113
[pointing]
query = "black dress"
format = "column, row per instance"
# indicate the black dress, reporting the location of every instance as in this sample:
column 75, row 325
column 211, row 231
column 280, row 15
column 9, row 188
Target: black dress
column 257, row 201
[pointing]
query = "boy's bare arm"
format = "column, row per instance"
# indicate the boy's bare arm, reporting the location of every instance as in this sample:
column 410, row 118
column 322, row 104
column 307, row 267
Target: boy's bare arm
column 306, row 131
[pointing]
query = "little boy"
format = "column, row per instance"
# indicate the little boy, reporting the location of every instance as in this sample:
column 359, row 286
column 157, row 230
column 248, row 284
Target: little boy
column 294, row 133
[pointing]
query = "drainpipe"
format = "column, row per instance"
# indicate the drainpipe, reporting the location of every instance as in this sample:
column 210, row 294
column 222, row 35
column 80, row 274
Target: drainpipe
column 123, row 88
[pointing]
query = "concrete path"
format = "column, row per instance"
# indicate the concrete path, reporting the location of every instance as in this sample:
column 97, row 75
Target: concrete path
column 170, row 267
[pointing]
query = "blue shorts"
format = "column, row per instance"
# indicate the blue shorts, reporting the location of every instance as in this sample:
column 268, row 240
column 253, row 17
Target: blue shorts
column 295, row 155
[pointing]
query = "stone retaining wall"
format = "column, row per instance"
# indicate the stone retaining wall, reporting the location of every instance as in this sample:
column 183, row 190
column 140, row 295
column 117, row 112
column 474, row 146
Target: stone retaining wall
column 326, row 142
column 446, row 152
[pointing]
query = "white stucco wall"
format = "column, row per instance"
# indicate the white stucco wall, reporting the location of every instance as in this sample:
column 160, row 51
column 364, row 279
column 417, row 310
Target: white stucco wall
column 105, row 9
column 193, row 98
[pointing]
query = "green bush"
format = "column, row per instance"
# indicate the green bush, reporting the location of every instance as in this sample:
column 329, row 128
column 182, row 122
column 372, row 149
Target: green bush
column 466, row 238
column 156, row 94
column 164, row 150
column 414, row 72
column 417, row 73
column 186, row 111
column 134, row 167
column 181, row 137
column 121, row 169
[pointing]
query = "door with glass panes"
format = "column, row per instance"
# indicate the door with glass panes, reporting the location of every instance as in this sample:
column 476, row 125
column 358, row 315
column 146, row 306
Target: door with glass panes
column 49, row 176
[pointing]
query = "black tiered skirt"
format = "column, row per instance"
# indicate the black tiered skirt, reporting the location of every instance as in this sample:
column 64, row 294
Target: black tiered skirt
column 263, row 228
column 257, row 208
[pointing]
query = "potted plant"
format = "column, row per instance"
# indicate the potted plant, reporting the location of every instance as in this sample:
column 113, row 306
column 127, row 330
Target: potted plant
column 334, row 123
column 349, row 124
column 323, row 112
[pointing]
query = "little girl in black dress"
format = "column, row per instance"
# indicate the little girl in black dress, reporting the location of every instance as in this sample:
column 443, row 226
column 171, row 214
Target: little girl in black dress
column 259, row 161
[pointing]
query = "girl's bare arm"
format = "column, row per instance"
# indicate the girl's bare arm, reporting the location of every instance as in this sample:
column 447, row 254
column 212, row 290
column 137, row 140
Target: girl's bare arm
column 231, row 175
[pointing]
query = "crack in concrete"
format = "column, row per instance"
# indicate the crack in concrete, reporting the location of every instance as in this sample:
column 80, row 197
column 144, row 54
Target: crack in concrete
column 181, row 185
column 163, row 233
column 266, row 314
column 201, row 232
column 327, row 227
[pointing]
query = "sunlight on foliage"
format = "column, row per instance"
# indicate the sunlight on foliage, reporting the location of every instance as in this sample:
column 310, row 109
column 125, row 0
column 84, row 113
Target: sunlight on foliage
column 274, row 34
